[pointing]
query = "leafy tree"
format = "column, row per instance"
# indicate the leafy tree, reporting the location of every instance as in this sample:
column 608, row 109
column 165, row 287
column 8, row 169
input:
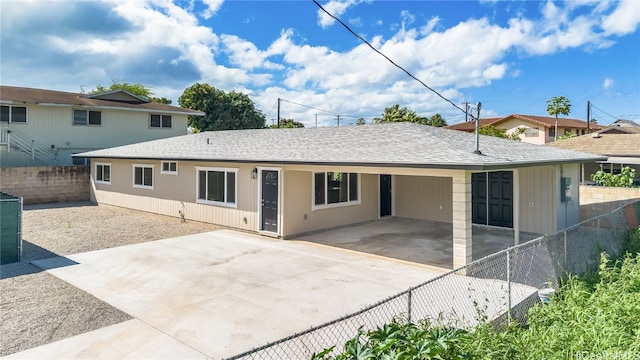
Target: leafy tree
column 288, row 124
column 436, row 120
column 135, row 89
column 397, row 114
column 626, row 178
column 361, row 121
column 558, row 105
column 161, row 100
column 491, row 130
column 224, row 111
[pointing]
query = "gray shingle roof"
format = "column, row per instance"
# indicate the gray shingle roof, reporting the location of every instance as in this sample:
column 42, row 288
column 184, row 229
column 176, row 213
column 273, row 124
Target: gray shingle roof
column 388, row 144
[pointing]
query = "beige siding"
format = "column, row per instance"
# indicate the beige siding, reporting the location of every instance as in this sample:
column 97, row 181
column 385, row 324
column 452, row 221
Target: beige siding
column 511, row 125
column 298, row 205
column 537, row 199
column 423, row 197
column 175, row 194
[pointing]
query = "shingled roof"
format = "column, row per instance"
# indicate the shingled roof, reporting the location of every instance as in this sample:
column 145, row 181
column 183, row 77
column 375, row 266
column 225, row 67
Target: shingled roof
column 385, row 145
column 22, row 95
column 603, row 144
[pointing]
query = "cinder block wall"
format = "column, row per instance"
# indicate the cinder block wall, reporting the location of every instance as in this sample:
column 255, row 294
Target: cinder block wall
column 598, row 200
column 46, row 184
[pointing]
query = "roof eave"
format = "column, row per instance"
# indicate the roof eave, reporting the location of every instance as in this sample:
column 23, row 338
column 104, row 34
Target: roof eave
column 477, row 167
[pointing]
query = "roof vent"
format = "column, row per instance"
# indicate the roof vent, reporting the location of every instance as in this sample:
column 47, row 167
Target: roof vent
column 595, row 135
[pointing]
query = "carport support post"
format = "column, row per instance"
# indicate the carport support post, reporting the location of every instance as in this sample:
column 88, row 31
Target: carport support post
column 462, row 235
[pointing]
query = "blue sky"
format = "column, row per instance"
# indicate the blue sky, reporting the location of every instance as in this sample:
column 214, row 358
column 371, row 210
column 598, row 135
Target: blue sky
column 510, row 55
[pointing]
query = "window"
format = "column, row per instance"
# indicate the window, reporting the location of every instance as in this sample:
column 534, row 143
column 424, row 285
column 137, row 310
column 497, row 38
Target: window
column 169, row 167
column 87, row 117
column 160, row 121
column 143, row 176
column 531, row 132
column 217, row 186
column 80, row 161
column 552, row 132
column 13, row 114
column 103, row 173
column 332, row 188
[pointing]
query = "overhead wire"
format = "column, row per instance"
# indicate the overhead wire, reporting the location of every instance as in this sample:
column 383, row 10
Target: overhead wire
column 388, row 59
column 613, row 117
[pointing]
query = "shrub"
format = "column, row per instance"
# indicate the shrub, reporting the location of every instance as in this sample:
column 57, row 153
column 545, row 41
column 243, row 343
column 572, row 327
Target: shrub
column 626, row 178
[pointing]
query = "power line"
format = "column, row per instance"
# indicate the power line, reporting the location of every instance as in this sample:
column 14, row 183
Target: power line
column 322, row 110
column 614, row 117
column 388, row 59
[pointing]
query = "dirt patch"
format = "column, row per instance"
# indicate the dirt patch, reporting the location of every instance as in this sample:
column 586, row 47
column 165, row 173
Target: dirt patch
column 37, row 308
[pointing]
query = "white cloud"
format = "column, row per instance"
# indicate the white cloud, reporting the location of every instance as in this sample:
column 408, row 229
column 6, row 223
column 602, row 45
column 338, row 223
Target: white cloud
column 212, row 7
column 624, row 19
column 336, row 8
column 607, row 83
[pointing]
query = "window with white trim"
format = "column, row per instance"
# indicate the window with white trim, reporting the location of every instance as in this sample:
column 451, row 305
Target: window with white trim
column 336, row 188
column 103, row 173
column 87, row 117
column 217, row 186
column 169, row 167
column 143, row 176
column 160, row 121
column 531, row 132
column 13, row 114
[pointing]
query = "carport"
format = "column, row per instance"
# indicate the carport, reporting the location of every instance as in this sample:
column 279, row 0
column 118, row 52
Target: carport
column 418, row 241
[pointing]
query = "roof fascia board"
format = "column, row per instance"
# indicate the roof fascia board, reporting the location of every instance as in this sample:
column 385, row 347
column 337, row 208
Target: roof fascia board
column 363, row 164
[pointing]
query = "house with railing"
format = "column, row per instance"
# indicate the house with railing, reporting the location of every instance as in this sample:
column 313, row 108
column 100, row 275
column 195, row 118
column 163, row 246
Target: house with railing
column 45, row 127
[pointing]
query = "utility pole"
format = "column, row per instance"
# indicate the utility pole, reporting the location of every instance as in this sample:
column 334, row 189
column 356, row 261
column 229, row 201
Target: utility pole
column 466, row 112
column 316, row 120
column 477, row 151
column 338, row 118
column 279, row 100
column 588, row 117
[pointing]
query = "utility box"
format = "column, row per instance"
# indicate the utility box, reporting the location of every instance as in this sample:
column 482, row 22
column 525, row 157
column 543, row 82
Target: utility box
column 10, row 228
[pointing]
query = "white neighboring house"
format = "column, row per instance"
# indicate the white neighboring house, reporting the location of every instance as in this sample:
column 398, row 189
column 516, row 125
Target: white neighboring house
column 45, row 127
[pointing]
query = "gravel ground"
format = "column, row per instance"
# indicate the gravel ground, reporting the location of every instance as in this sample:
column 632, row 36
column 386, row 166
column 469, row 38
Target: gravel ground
column 37, row 308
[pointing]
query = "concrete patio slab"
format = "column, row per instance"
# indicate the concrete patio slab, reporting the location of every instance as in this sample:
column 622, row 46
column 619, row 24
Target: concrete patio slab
column 418, row 241
column 221, row 293
column 131, row 339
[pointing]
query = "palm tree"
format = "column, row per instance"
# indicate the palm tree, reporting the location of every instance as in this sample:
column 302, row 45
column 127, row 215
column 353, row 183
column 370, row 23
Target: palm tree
column 558, row 105
column 437, row 120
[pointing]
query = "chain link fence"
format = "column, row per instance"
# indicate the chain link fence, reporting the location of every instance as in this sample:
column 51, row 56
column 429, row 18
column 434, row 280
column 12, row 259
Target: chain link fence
column 497, row 288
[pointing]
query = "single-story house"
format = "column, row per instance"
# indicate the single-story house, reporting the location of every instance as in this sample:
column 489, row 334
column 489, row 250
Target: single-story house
column 288, row 182
column 538, row 129
column 620, row 149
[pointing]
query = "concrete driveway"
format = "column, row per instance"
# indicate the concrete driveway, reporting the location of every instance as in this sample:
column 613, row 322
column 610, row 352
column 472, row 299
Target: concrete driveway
column 217, row 294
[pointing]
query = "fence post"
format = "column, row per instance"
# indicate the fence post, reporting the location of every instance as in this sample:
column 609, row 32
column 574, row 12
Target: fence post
column 33, row 155
column 565, row 251
column 409, row 301
column 509, row 286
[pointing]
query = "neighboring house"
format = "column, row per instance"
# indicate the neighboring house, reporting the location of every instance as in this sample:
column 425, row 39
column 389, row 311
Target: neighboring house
column 621, row 127
column 538, row 129
column 44, row 127
column 289, row 182
column 621, row 149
